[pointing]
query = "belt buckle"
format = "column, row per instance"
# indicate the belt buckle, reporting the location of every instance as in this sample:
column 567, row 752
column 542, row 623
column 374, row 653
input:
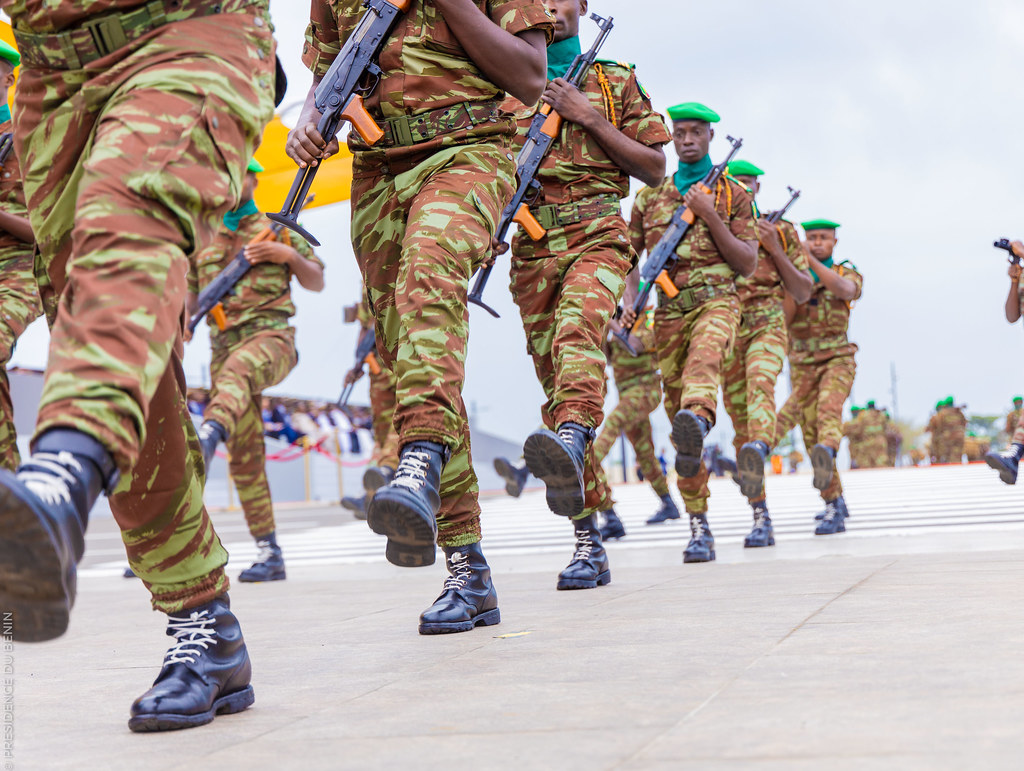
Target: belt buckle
column 689, row 298
column 107, row 34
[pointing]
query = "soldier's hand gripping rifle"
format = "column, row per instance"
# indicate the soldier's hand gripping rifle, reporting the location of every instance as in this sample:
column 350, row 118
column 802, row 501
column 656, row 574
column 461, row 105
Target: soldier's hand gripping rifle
column 210, row 299
column 339, row 97
column 366, row 350
column 1006, row 244
column 663, row 257
column 544, row 129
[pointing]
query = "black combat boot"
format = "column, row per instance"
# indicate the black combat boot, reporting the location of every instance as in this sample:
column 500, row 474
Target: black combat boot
column 468, row 598
column 834, row 518
column 823, row 461
column 211, row 433
column 405, row 510
column 558, row 461
column 667, row 511
column 750, row 462
column 701, row 547
column 269, row 564
column 1006, row 462
column 205, row 673
column 762, row 533
column 688, row 432
column 376, row 477
column 44, row 511
column 356, row 505
column 613, row 527
column 589, row 566
column 515, row 476
column 840, row 505
column 129, row 573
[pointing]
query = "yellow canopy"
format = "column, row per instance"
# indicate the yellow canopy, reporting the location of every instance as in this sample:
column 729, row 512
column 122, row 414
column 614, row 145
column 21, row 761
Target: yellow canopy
column 7, row 35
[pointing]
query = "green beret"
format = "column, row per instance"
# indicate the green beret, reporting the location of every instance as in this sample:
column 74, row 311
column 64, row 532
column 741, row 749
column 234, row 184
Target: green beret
column 255, row 166
column 9, row 53
column 819, row 225
column 1018, row 399
column 744, row 169
column 854, row 410
column 947, row 402
column 693, row 111
column 871, row 404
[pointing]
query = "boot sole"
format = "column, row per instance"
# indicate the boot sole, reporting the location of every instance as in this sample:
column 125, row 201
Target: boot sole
column 688, row 440
column 225, row 705
column 487, row 618
column 576, row 583
column 840, row 529
column 823, row 465
column 687, row 558
column 272, row 577
column 504, row 469
column 410, row 536
column 1005, row 474
column 612, row 536
column 748, row 544
column 373, row 480
column 35, row 585
column 550, row 462
column 751, row 472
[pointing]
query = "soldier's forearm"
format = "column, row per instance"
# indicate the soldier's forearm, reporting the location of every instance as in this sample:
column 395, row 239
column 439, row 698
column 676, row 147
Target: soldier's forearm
column 635, row 158
column 741, row 255
column 1013, row 303
column 841, row 287
column 309, row 274
column 798, row 283
column 19, row 227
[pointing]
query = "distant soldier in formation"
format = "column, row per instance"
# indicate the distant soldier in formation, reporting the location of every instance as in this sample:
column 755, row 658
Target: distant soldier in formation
column 19, row 297
column 696, row 329
column 875, row 446
column 567, row 284
column 853, row 430
column 893, row 441
column 753, row 366
column 1014, row 416
column 384, row 460
column 253, row 352
column 822, row 366
column 947, row 427
column 1006, row 462
column 639, row 387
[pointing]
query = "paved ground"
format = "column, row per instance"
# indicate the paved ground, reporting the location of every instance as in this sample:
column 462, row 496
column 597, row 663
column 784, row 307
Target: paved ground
column 886, row 647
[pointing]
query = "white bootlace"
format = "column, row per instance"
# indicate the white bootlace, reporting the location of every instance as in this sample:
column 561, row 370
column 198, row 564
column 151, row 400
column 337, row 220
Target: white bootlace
column 567, row 435
column 584, row 546
column 51, row 487
column 205, row 431
column 759, row 520
column 266, row 552
column 460, row 571
column 194, row 635
column 830, row 512
column 697, row 527
column 412, row 470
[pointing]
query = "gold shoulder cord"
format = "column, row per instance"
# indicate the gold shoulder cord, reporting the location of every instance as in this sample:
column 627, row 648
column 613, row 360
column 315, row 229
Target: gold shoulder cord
column 606, row 90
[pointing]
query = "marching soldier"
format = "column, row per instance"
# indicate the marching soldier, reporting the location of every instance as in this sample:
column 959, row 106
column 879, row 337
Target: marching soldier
column 425, row 203
column 252, row 352
column 639, row 387
column 133, row 130
column 875, row 447
column 696, row 329
column 1006, row 462
column 568, row 283
column 753, row 366
column 853, row 430
column 822, row 366
column 19, row 297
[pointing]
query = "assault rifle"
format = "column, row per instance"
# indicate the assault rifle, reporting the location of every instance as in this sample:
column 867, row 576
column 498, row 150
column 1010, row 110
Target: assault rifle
column 663, row 257
column 340, row 97
column 365, row 354
column 544, row 129
column 211, row 299
column 776, row 216
column 1004, row 243
column 6, row 147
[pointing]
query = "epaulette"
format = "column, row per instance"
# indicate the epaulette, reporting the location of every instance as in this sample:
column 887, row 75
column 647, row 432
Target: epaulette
column 627, row 65
column 848, row 264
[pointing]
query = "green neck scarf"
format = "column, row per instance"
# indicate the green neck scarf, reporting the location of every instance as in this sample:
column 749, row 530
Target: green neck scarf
column 233, row 218
column 690, row 174
column 827, row 263
column 5, row 113
column 561, row 56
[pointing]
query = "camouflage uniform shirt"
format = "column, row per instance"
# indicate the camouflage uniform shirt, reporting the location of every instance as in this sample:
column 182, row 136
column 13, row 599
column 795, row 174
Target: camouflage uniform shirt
column 12, row 195
column 577, row 166
column 818, row 329
column 263, row 295
column 700, row 263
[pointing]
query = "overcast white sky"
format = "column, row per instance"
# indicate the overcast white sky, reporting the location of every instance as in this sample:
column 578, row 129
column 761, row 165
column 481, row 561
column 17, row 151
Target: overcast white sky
column 901, row 120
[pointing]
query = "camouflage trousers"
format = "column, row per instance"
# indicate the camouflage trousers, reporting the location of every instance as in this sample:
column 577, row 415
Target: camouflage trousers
column 129, row 167
column 949, row 449
column 819, row 392
column 1018, row 432
column 382, row 405
column 873, row 452
column 632, row 417
column 421, row 225
column 19, row 307
column 567, row 287
column 748, row 381
column 692, row 346
column 244, row 363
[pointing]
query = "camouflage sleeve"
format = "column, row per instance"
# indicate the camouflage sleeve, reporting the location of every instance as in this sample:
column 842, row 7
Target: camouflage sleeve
column 323, row 38
column 741, row 218
column 636, row 221
column 639, row 120
column 301, row 245
column 794, row 249
column 363, row 314
column 515, row 16
column 849, row 272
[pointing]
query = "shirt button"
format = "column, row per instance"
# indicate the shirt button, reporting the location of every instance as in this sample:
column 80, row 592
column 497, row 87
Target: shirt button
column 258, row 22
